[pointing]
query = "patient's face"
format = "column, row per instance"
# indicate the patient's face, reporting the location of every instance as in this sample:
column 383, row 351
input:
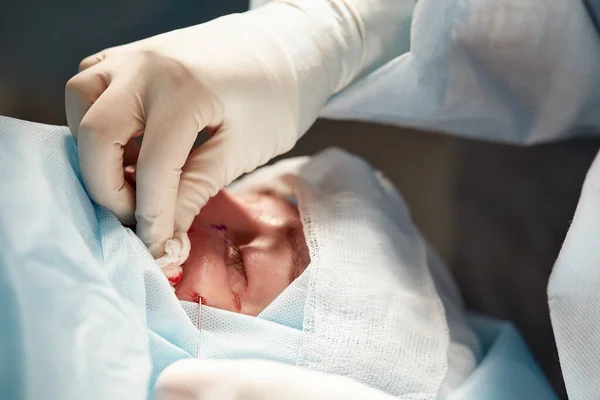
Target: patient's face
column 245, row 251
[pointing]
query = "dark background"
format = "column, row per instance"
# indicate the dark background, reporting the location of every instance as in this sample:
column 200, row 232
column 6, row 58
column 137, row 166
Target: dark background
column 497, row 214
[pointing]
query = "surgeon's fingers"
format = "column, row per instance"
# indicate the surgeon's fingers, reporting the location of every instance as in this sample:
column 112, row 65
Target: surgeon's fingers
column 170, row 133
column 131, row 151
column 100, row 56
column 92, row 60
column 208, row 169
column 81, row 91
column 105, row 129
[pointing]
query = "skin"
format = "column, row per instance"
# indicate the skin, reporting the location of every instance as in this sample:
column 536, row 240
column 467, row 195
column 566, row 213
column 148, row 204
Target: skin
column 245, row 251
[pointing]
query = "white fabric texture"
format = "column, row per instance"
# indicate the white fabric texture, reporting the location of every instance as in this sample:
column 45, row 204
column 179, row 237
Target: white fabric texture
column 574, row 294
column 511, row 70
column 373, row 310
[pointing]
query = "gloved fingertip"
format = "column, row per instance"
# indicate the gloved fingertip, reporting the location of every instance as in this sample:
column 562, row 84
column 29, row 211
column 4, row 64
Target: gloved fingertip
column 152, row 233
column 174, row 384
column 184, row 220
column 91, row 61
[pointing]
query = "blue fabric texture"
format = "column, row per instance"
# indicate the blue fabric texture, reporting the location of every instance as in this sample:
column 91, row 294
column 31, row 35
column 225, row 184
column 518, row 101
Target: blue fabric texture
column 75, row 282
column 507, row 369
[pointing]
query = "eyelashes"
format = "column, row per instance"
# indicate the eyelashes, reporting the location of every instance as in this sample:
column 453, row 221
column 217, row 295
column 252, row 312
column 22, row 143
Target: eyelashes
column 234, row 257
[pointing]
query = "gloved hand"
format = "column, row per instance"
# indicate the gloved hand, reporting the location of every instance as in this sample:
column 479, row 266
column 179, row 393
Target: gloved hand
column 254, row 81
column 193, row 379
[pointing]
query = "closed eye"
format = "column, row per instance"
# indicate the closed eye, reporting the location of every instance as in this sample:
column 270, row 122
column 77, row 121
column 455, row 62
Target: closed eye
column 234, row 258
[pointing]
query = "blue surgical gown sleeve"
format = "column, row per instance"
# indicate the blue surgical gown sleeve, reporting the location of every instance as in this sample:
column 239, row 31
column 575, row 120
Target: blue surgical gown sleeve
column 513, row 71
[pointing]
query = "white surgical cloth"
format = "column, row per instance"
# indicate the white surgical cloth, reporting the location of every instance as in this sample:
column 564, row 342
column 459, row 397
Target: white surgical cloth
column 574, row 295
column 373, row 311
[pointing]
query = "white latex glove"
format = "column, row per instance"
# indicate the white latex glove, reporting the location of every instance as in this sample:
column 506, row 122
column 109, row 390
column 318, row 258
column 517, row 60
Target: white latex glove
column 193, row 379
column 255, row 81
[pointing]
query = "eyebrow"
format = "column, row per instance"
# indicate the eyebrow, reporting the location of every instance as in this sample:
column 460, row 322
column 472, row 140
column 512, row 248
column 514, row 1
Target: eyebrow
column 298, row 261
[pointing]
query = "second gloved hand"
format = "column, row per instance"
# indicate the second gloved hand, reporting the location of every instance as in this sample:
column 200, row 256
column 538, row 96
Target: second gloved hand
column 194, row 379
column 254, row 81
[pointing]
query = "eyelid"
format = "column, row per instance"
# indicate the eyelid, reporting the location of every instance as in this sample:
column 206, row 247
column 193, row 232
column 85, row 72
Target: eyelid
column 237, row 259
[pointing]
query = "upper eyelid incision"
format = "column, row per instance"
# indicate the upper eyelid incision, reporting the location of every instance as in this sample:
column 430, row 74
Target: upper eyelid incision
column 233, row 254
